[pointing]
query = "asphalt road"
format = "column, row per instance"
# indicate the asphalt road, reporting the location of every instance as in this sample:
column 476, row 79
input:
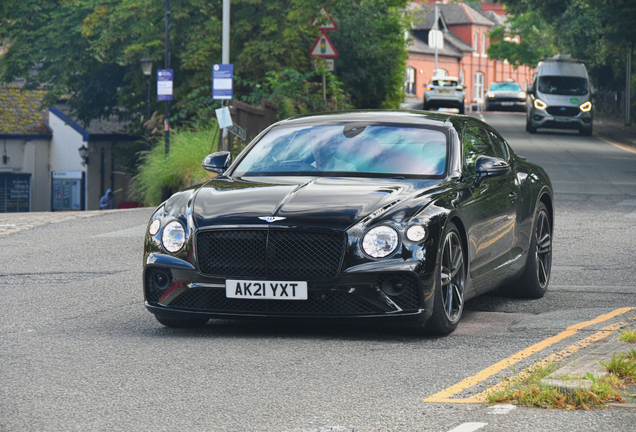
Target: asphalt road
column 78, row 351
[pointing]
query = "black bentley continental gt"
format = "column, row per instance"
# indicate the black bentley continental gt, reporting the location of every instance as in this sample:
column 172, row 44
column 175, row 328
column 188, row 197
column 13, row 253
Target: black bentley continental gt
column 393, row 215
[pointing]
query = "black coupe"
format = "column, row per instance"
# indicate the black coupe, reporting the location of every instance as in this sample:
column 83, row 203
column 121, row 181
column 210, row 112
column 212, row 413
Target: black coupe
column 378, row 215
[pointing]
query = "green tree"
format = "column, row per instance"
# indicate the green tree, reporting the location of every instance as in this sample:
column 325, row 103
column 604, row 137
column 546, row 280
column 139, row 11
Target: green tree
column 89, row 50
column 535, row 40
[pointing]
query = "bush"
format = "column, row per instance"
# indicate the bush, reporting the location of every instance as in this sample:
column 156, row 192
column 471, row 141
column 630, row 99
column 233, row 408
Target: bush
column 182, row 167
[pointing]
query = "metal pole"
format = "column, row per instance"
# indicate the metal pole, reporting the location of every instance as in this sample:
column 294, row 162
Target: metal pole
column 628, row 85
column 436, row 34
column 167, row 103
column 225, row 56
column 324, row 85
column 165, row 191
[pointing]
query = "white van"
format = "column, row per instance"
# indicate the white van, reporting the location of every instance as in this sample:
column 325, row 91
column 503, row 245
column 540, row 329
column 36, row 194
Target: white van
column 560, row 96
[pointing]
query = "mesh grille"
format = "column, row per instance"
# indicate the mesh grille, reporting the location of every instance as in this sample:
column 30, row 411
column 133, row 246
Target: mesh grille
column 153, row 294
column 318, row 303
column 409, row 299
column 270, row 254
column 563, row 111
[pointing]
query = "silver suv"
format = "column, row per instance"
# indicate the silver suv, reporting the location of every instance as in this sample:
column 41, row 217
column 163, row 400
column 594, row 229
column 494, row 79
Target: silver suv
column 444, row 92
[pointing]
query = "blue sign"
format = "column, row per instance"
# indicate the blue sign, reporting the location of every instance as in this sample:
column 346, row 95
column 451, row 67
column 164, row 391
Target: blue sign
column 164, row 84
column 222, row 78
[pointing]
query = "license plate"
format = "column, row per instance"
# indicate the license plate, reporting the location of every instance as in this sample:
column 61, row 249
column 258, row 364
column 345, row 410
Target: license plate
column 443, row 91
column 506, row 104
column 266, row 290
column 563, row 119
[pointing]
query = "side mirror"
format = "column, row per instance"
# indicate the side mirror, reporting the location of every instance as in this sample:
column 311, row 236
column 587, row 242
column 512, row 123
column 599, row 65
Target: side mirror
column 464, row 87
column 529, row 90
column 217, row 162
column 488, row 166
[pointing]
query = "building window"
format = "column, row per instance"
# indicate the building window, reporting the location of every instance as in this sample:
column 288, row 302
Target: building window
column 461, row 76
column 483, row 44
column 475, row 39
column 409, row 81
column 478, row 85
column 441, row 72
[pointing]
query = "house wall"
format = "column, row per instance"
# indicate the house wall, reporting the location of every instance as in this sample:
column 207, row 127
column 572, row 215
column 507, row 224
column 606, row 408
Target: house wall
column 64, row 145
column 424, row 65
column 30, row 156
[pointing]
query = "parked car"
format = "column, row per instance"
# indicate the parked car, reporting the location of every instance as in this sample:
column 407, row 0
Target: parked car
column 444, row 92
column 385, row 215
column 560, row 96
column 506, row 95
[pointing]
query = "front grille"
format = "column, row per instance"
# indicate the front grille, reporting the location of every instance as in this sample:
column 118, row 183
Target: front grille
column 563, row 111
column 317, row 303
column 508, row 99
column 270, row 254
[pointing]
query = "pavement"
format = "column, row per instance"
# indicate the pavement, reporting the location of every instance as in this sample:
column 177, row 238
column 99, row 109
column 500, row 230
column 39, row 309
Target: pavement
column 571, row 376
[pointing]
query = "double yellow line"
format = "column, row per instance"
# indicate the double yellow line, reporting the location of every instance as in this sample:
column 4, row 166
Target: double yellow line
column 445, row 395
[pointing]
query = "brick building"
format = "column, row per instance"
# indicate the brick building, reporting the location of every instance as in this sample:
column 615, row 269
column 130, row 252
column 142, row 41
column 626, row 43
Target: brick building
column 463, row 52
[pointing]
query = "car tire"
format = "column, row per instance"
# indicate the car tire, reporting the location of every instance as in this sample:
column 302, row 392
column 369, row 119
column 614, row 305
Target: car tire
column 450, row 286
column 462, row 109
column 530, row 128
column 586, row 131
column 424, row 107
column 535, row 278
column 182, row 322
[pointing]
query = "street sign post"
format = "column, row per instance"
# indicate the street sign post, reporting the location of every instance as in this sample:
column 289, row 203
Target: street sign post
column 238, row 131
column 222, row 78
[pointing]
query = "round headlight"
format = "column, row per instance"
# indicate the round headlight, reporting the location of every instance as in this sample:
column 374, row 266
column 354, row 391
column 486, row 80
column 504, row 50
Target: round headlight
column 380, row 241
column 154, row 227
column 416, row 233
column 173, row 237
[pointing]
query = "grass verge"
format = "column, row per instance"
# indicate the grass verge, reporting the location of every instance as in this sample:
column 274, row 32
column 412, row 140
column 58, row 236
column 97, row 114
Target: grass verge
column 527, row 390
column 628, row 336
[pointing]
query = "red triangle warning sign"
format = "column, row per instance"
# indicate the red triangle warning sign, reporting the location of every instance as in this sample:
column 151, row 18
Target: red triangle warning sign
column 323, row 47
column 325, row 20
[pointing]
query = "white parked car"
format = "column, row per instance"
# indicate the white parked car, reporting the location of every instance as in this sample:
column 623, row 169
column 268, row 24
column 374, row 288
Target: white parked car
column 444, row 92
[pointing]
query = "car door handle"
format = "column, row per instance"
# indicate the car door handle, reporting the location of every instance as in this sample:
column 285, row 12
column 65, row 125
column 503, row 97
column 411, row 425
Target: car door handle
column 512, row 196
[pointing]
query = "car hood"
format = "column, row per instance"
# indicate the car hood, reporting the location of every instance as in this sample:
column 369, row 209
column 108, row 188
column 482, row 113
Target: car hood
column 323, row 202
column 506, row 93
column 560, row 100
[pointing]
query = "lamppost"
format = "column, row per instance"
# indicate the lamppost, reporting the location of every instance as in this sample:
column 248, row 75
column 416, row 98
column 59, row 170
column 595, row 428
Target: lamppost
column 146, row 68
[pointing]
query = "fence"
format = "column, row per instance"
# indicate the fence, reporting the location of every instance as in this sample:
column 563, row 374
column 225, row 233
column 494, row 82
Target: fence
column 612, row 104
column 252, row 119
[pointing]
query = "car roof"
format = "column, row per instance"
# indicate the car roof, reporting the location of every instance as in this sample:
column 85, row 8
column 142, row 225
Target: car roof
column 445, row 78
column 566, row 68
column 375, row 116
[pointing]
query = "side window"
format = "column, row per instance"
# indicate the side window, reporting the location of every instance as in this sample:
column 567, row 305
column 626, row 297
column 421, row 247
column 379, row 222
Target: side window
column 499, row 145
column 476, row 143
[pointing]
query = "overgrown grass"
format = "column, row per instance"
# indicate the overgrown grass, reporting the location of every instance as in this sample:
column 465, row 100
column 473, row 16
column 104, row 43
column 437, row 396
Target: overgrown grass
column 526, row 390
column 182, row 167
column 628, row 335
column 623, row 365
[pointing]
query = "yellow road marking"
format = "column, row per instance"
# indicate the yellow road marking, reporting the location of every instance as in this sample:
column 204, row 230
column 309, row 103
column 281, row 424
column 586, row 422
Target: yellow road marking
column 620, row 146
column 445, row 395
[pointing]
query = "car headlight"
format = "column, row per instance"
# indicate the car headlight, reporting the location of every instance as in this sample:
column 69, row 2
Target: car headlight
column 490, row 94
column 587, row 106
column 539, row 104
column 416, row 233
column 380, row 241
column 173, row 237
column 522, row 95
column 154, row 227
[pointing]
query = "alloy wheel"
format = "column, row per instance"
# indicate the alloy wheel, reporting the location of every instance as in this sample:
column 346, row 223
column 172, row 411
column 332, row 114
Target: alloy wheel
column 543, row 252
column 453, row 277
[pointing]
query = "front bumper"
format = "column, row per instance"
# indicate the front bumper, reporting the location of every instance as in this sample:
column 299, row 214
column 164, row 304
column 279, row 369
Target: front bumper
column 363, row 291
column 542, row 119
column 506, row 104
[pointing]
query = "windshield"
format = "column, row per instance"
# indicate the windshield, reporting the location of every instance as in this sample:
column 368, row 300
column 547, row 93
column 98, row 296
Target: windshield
column 562, row 85
column 445, row 83
column 347, row 150
column 505, row 87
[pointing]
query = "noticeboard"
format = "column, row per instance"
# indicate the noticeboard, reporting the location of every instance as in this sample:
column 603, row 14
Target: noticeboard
column 68, row 190
column 15, row 193
column 222, row 81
